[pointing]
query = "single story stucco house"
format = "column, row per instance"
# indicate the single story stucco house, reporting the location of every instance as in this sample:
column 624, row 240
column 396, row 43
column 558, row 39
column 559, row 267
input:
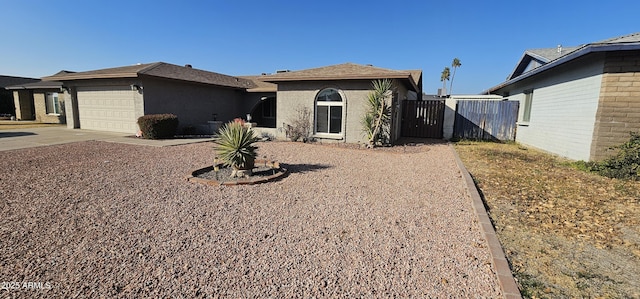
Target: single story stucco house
column 336, row 95
column 7, row 105
column 112, row 99
column 577, row 102
column 42, row 101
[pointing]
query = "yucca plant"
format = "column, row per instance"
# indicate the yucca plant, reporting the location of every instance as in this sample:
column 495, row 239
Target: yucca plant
column 235, row 147
column 377, row 118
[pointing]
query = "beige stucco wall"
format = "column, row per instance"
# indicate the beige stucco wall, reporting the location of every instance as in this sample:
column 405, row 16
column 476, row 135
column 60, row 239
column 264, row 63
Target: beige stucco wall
column 619, row 106
column 294, row 96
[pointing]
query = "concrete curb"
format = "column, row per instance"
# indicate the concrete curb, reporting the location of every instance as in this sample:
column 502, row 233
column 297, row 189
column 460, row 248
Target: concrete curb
column 501, row 266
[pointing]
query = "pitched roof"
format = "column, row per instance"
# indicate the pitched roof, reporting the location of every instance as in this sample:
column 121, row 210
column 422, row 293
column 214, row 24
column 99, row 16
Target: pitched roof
column 345, row 71
column 537, row 58
column 548, row 54
column 630, row 38
column 621, row 43
column 11, row 80
column 157, row 69
column 37, row 85
column 260, row 86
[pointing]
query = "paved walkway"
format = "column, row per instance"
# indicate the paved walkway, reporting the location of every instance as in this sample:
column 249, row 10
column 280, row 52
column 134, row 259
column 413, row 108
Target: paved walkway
column 12, row 139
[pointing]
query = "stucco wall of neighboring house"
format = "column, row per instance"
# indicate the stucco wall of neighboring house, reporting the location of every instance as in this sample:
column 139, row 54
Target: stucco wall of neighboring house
column 39, row 101
column 294, row 96
column 619, row 108
column 563, row 109
column 194, row 104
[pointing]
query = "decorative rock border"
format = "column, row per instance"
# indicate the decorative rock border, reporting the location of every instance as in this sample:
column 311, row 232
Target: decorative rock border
column 507, row 283
column 193, row 177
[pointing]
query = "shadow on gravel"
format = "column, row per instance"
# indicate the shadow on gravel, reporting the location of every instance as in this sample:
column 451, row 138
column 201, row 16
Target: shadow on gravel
column 15, row 134
column 302, row 168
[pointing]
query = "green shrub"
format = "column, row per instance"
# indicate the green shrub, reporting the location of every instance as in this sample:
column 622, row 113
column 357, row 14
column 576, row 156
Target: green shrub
column 235, row 145
column 158, row 126
column 626, row 163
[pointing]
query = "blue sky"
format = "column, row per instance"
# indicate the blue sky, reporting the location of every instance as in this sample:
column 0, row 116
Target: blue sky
column 40, row 38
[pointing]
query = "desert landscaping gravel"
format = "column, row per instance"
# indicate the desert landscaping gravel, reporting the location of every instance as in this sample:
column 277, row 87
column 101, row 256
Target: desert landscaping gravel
column 98, row 219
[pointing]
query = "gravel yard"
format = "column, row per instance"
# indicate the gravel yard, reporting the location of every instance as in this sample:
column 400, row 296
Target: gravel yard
column 98, row 219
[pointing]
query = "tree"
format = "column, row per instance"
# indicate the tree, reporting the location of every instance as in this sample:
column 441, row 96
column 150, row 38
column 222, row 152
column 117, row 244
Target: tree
column 444, row 77
column 377, row 117
column 454, row 64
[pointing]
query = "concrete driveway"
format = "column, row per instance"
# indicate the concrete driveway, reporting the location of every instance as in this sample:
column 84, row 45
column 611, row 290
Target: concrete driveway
column 34, row 137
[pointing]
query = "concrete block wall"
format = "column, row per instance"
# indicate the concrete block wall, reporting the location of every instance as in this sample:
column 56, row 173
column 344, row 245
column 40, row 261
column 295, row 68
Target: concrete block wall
column 39, row 101
column 23, row 101
column 563, row 109
column 619, row 106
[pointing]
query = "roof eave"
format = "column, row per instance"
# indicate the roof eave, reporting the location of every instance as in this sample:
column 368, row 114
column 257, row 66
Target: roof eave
column 354, row 77
column 575, row 54
column 87, row 76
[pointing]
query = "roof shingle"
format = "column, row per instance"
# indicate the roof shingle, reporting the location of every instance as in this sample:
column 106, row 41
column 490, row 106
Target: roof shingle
column 158, row 69
column 345, row 71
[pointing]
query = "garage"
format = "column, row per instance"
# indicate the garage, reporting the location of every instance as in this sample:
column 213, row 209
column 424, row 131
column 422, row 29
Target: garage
column 109, row 108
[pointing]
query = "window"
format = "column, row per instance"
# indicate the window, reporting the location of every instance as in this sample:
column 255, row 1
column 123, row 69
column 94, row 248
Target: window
column 52, row 103
column 269, row 108
column 528, row 98
column 329, row 112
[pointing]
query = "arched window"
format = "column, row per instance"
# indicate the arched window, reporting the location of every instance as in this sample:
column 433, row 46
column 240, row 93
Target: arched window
column 329, row 112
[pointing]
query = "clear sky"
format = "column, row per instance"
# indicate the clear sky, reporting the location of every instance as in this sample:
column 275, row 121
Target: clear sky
column 40, row 38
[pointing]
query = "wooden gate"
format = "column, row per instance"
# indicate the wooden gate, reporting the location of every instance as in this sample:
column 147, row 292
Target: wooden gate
column 422, row 119
column 486, row 120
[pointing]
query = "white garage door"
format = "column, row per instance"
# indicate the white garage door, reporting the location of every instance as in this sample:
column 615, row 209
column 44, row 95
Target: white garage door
column 109, row 108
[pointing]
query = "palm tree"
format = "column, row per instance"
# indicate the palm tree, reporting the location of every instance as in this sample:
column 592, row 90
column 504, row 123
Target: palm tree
column 454, row 64
column 444, row 77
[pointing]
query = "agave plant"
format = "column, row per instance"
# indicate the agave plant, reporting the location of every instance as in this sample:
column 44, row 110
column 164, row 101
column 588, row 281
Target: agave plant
column 235, row 146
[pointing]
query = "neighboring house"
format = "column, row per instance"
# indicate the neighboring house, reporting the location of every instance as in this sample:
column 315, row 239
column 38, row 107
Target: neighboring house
column 577, row 102
column 336, row 98
column 7, row 105
column 42, row 101
column 113, row 99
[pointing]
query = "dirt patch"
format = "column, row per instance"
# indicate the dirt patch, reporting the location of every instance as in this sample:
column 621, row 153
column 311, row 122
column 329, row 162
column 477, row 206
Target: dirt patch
column 97, row 219
column 566, row 233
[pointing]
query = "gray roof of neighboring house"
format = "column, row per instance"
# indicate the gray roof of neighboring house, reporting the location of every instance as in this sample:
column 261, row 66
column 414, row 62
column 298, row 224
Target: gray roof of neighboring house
column 37, row 85
column 542, row 56
column 157, row 69
column 11, row 80
column 346, row 71
column 548, row 54
column 631, row 38
column 621, row 43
